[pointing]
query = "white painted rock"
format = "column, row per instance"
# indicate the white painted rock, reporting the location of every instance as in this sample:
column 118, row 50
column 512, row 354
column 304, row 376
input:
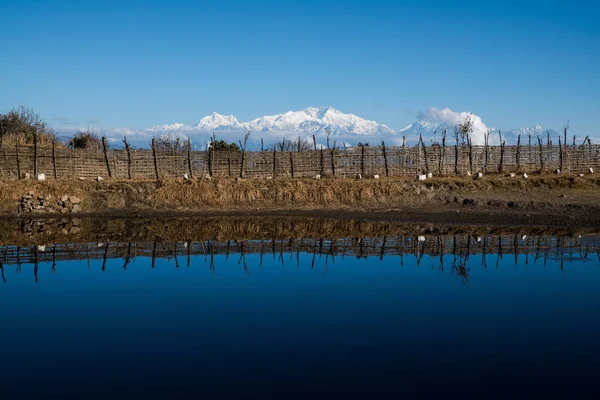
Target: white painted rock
column 318, row 176
column 41, row 177
column 512, row 174
column 580, row 175
column 429, row 175
column 478, row 175
column 557, row 171
column 375, row 176
column 185, row 177
column 591, row 170
column 358, row 176
column 525, row 175
column 421, row 177
column 99, row 179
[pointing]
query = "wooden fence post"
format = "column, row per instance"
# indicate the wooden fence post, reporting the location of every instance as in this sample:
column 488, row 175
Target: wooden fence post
column 18, row 159
column 470, row 144
column 501, row 166
column 54, row 158
column 292, row 163
column 456, row 157
column 243, row 162
column 189, row 157
column 362, row 160
column 541, row 155
column 385, row 160
column 128, row 149
column 518, row 155
column 322, row 169
column 442, row 154
column 35, row 153
column 315, row 142
column 155, row 160
column 274, row 161
column 560, row 154
column 333, row 160
column 106, row 157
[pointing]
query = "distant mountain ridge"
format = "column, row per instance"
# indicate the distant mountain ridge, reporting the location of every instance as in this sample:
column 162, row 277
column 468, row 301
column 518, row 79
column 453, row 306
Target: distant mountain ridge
column 312, row 120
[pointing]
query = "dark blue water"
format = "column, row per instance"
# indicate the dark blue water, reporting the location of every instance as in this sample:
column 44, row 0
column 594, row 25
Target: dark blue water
column 296, row 325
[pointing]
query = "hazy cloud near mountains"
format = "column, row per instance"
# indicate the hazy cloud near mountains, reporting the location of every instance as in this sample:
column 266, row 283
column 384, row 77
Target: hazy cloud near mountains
column 451, row 118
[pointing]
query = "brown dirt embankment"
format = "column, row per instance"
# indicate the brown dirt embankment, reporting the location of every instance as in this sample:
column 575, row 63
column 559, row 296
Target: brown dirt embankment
column 551, row 200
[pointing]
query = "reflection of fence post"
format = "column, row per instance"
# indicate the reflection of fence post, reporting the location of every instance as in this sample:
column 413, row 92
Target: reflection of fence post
column 106, row 156
column 189, row 157
column 385, row 160
column 35, row 153
column 54, row 158
column 155, row 161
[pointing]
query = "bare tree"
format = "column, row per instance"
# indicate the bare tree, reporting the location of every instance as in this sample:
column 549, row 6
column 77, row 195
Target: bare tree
column 169, row 141
column 463, row 130
column 293, row 145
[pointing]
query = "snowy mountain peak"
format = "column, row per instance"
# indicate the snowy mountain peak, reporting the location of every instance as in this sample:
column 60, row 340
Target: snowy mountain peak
column 216, row 121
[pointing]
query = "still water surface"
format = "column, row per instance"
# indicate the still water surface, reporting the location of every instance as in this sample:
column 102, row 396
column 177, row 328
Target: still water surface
column 232, row 322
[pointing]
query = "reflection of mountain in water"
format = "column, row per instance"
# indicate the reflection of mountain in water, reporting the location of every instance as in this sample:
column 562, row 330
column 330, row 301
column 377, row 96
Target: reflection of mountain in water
column 452, row 250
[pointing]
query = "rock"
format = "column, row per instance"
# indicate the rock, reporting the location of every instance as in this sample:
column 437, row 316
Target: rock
column 64, row 231
column 75, row 200
column 75, row 229
column 64, row 198
column 64, row 210
column 76, row 208
column 76, row 222
column 81, row 178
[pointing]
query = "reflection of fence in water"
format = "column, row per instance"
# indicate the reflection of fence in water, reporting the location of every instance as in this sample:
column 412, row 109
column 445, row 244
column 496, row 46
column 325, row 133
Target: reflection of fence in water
column 461, row 247
column 546, row 246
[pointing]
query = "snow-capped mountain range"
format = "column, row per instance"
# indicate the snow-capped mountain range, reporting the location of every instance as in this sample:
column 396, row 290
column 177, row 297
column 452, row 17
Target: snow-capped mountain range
column 346, row 129
column 310, row 120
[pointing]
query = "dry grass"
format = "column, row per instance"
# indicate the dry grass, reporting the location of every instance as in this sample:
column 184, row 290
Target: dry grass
column 229, row 194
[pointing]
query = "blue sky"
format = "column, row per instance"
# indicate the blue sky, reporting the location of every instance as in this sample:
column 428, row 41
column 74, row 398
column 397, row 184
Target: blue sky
column 141, row 63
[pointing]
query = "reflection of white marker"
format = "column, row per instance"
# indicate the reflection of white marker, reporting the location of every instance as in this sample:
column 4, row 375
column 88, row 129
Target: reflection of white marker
column 479, row 238
column 524, row 237
column 185, row 245
column 100, row 244
column 41, row 247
